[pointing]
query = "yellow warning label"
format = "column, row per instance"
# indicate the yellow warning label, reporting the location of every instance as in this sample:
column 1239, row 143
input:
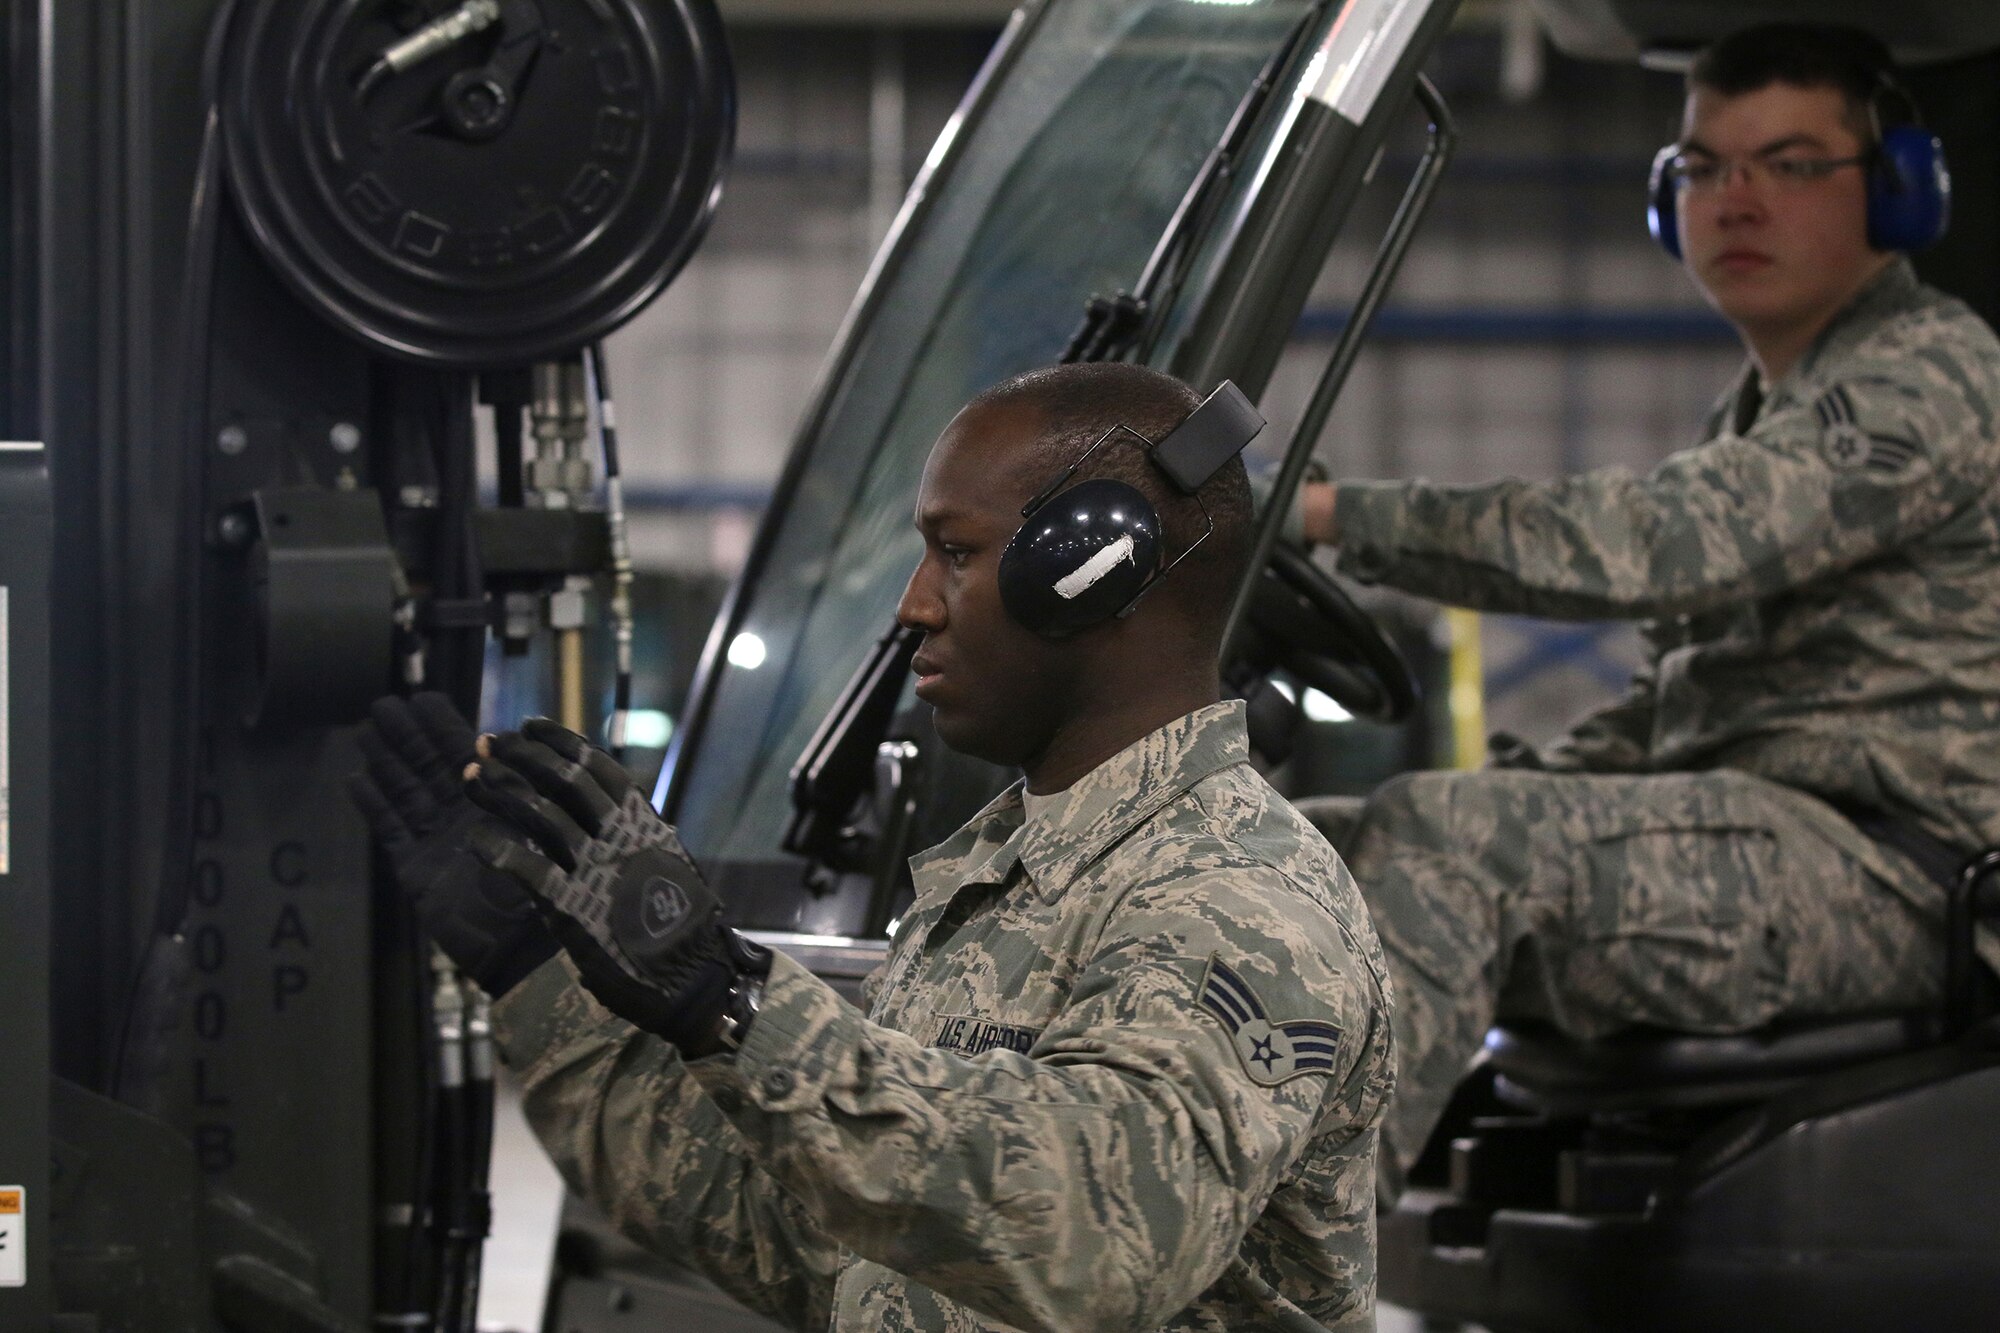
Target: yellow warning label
column 13, row 1236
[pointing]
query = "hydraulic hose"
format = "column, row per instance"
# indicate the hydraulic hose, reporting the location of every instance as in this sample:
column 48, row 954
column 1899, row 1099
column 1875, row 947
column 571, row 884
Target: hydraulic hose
column 454, row 1156
column 621, row 552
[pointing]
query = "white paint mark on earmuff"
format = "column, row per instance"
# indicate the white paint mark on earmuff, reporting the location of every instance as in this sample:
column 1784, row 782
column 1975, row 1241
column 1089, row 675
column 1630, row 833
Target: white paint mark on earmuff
column 1091, row 571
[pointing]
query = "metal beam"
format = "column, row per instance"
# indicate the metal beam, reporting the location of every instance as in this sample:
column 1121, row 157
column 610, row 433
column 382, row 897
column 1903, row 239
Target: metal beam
column 953, row 13
column 869, row 13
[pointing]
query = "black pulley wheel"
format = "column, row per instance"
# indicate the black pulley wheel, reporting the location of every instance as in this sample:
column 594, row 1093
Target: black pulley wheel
column 477, row 184
column 1315, row 631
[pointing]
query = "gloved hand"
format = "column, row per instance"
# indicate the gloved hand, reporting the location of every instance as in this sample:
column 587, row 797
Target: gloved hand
column 413, row 797
column 618, row 889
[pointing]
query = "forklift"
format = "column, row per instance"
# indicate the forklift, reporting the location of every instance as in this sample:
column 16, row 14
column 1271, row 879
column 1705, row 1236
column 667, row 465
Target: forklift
column 271, row 261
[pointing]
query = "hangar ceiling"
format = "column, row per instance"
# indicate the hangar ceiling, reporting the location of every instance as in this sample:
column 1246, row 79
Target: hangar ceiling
column 1919, row 30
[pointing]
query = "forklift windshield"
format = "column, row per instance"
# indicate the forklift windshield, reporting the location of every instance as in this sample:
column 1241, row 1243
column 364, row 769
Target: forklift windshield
column 1089, row 127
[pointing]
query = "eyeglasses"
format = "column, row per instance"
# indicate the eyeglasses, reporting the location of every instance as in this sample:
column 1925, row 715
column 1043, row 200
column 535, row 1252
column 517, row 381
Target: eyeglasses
column 1702, row 174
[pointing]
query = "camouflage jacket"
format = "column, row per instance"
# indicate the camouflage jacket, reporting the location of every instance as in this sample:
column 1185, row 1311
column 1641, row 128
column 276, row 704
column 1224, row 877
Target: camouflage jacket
column 1822, row 577
column 1122, row 1069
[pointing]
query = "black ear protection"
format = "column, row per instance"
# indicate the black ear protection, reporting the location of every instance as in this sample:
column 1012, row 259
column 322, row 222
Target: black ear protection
column 1909, row 183
column 1088, row 553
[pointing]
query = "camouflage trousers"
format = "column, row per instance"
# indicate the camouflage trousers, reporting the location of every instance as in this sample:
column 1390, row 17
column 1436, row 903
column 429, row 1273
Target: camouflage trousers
column 1702, row 902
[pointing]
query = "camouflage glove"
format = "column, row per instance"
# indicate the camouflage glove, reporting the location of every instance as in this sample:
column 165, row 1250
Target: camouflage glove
column 414, row 801
column 619, row 890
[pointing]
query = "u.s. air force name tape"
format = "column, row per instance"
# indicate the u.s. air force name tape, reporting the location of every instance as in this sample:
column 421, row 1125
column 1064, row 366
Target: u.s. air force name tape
column 967, row 1034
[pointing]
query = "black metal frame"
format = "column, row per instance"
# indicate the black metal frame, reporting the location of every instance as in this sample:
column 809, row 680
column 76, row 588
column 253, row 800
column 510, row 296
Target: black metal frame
column 1395, row 246
column 27, row 886
column 1970, row 904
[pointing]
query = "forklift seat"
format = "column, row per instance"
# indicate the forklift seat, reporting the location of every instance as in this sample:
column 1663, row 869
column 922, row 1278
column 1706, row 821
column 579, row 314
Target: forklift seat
column 1539, row 1068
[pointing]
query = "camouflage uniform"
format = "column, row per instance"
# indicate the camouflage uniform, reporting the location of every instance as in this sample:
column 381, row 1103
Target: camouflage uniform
column 1822, row 581
column 1122, row 1069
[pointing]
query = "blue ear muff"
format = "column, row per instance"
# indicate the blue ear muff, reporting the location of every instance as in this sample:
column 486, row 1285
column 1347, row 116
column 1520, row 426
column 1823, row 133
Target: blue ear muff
column 1909, row 191
column 1662, row 214
column 1909, row 194
column 1081, row 558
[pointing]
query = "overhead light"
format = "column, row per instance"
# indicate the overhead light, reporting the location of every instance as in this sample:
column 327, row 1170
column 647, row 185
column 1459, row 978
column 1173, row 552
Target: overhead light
column 1317, row 707
column 747, row 651
column 648, row 729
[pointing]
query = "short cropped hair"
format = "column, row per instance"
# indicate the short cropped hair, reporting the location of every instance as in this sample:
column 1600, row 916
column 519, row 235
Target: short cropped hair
column 1803, row 55
column 1079, row 402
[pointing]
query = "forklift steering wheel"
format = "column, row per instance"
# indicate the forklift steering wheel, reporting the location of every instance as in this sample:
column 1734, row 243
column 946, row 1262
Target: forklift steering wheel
column 1303, row 621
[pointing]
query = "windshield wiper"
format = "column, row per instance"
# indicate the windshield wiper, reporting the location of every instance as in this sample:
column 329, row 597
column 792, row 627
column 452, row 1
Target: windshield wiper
column 1112, row 325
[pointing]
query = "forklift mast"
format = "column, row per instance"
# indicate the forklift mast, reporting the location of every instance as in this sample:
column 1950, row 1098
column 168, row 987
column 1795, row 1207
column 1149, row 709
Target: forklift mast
column 266, row 260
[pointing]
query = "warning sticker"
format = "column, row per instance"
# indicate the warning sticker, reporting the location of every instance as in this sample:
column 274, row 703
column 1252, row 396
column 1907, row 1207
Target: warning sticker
column 13, row 1236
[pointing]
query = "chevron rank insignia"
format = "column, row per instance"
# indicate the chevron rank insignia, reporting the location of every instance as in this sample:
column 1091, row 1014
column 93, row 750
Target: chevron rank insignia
column 1270, row 1052
column 1846, row 443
